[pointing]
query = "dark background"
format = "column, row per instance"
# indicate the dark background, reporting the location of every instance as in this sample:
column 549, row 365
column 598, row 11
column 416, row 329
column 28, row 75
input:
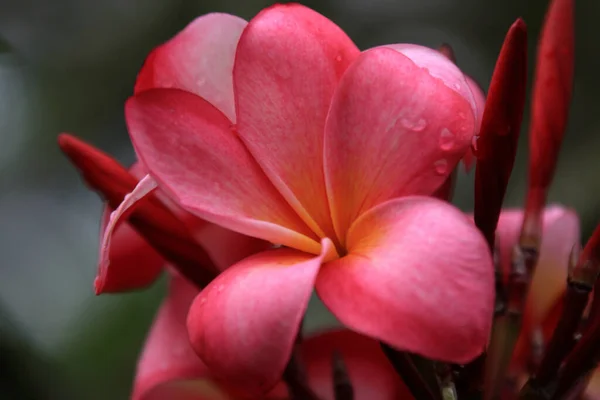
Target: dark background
column 69, row 65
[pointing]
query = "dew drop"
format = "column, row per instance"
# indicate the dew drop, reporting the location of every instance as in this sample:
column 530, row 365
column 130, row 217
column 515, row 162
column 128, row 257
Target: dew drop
column 202, row 301
column 456, row 86
column 220, row 288
column 338, row 58
column 441, row 166
column 462, row 115
column 416, row 126
column 200, row 81
column 446, row 139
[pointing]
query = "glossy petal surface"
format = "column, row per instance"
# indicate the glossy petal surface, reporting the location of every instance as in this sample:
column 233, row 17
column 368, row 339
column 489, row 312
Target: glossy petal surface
column 196, row 157
column 198, row 59
column 393, row 130
column 288, row 63
column 243, row 325
column 418, row 276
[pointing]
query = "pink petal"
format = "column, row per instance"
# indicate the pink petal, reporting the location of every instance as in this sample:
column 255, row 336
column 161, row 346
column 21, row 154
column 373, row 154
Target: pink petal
column 370, row 373
column 198, row 59
column 393, row 130
column 479, row 96
column 288, row 63
column 418, row 276
column 168, row 367
column 191, row 150
column 243, row 325
column 117, row 217
column 559, row 235
column 439, row 66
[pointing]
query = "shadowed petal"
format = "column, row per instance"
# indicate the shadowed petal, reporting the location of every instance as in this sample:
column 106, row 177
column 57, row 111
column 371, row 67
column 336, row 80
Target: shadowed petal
column 393, row 130
column 168, row 367
column 479, row 96
column 244, row 324
column 191, row 150
column 560, row 233
column 370, row 373
column 198, row 59
column 288, row 63
column 418, row 276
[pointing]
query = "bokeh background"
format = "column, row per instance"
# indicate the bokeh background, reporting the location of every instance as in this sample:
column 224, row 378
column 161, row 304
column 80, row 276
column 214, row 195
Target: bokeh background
column 69, row 65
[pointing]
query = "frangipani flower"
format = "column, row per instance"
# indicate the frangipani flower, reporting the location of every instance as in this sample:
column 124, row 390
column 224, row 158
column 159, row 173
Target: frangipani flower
column 317, row 147
column 169, row 369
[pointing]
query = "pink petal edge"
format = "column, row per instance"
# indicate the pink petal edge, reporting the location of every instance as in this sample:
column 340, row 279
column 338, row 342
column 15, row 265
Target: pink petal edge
column 382, row 141
column 418, row 276
column 288, row 63
column 244, row 324
column 199, row 59
column 145, row 186
column 191, row 150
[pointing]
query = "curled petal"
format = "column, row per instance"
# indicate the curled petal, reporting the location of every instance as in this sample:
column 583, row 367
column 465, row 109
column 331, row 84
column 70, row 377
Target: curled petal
column 133, row 262
column 393, row 130
column 559, row 235
column 196, row 157
column 198, row 59
column 370, row 373
column 244, row 324
column 288, row 63
column 418, row 276
column 117, row 217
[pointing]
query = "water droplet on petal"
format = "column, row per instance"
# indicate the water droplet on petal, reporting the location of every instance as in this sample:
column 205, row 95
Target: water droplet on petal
column 441, row 166
column 462, row 115
column 220, row 288
column 446, row 139
column 202, row 301
column 200, row 81
column 456, row 86
column 414, row 125
column 338, row 58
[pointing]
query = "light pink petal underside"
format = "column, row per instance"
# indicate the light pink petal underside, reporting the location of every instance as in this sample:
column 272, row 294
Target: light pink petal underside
column 393, row 130
column 418, row 276
column 118, row 217
column 370, row 372
column 196, row 157
column 198, row 59
column 560, row 233
column 244, row 324
column 288, row 63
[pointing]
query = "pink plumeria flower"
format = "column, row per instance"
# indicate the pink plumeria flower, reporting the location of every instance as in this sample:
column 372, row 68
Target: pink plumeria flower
column 169, row 368
column 282, row 130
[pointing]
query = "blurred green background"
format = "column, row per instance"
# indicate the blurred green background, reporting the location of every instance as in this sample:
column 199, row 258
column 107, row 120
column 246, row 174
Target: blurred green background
column 69, row 65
